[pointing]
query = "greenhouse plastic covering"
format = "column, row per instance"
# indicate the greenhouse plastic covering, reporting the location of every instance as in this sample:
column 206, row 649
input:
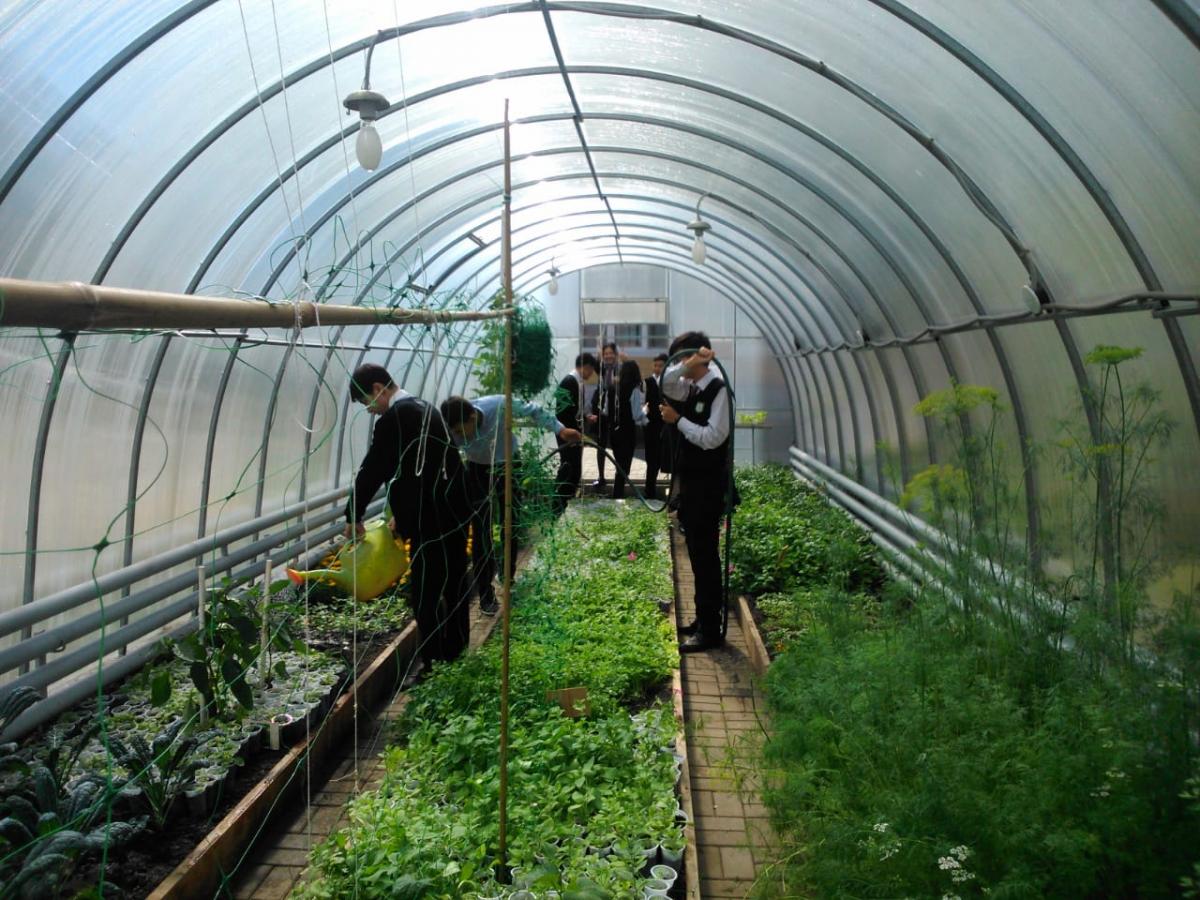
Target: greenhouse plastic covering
column 901, row 195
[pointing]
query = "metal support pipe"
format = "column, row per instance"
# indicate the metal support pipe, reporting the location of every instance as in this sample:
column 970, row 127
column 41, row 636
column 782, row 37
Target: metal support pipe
column 85, row 687
column 47, row 709
column 52, row 639
column 74, row 306
column 26, row 615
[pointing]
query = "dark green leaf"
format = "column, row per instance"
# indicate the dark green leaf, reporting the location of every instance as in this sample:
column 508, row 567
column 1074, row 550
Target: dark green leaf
column 199, row 675
column 160, row 686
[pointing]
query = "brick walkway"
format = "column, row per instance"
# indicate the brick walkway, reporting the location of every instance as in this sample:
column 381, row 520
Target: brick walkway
column 722, row 713
column 281, row 853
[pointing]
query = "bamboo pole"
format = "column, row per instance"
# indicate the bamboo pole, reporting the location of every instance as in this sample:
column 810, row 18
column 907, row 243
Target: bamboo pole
column 264, row 636
column 73, row 306
column 202, row 626
column 506, row 592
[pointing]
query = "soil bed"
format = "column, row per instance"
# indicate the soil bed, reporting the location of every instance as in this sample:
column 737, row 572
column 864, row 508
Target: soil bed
column 138, row 868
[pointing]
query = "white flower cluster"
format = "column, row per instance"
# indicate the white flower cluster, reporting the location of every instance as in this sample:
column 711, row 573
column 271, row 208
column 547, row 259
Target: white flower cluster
column 886, row 847
column 1106, row 787
column 954, row 864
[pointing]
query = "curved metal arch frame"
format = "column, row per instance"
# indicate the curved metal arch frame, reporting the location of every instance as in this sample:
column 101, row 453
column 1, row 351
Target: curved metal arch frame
column 771, row 310
column 728, row 292
column 546, row 70
column 452, row 242
column 916, row 373
column 1186, row 25
column 726, row 285
column 776, row 311
column 485, row 289
column 400, row 250
column 751, row 187
column 762, row 108
column 1185, row 20
column 678, row 263
column 829, row 276
column 798, row 380
column 492, row 262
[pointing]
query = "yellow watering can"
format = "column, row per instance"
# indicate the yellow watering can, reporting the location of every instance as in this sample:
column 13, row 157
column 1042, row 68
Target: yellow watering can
column 364, row 568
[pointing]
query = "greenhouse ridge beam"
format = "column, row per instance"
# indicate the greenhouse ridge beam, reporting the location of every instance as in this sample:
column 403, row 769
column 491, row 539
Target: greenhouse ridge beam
column 74, row 306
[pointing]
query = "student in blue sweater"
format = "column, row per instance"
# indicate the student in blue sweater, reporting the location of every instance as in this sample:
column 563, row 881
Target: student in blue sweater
column 477, row 426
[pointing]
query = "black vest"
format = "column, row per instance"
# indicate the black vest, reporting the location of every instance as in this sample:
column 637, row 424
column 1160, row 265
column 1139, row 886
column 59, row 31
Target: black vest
column 695, row 460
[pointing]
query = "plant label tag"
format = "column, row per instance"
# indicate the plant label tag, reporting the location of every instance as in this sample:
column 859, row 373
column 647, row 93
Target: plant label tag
column 573, row 700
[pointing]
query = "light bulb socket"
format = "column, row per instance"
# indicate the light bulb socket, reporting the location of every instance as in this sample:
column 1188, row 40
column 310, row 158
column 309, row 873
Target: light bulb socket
column 698, row 226
column 368, row 104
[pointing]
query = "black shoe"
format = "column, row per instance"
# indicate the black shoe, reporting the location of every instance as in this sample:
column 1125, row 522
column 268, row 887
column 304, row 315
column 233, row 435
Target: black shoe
column 691, row 628
column 416, row 675
column 698, row 643
column 598, row 485
column 489, row 606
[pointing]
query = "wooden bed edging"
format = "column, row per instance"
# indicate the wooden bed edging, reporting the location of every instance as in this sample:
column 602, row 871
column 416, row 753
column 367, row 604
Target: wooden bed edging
column 756, row 650
column 200, row 874
column 691, row 849
column 691, row 854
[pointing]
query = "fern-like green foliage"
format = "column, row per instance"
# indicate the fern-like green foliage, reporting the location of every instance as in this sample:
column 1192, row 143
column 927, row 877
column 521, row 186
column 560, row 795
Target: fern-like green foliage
column 913, row 755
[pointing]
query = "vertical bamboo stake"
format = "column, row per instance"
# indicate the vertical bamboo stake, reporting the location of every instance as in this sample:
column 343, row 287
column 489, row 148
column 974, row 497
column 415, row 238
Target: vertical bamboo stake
column 201, row 597
column 263, row 626
column 506, row 592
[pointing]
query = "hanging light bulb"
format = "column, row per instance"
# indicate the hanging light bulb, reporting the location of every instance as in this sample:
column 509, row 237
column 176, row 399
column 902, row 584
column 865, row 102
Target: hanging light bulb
column 368, row 147
column 697, row 227
column 552, row 287
column 369, row 105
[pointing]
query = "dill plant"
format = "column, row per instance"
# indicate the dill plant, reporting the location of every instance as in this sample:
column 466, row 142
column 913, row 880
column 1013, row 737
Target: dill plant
column 1006, row 734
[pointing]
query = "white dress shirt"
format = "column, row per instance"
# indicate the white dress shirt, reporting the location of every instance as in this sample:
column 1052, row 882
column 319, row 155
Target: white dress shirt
column 715, row 433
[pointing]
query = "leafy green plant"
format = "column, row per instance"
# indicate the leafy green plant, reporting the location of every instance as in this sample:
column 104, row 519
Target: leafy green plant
column 785, row 537
column 587, row 614
column 46, row 826
column 1108, row 464
column 974, row 499
column 936, row 748
column 533, row 353
column 162, row 770
column 224, row 651
column 14, row 702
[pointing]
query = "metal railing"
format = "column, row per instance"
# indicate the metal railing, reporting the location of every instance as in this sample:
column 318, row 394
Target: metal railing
column 319, row 520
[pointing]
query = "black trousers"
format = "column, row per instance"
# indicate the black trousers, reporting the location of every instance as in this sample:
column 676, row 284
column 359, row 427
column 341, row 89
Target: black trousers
column 653, row 436
column 624, row 439
column 701, row 507
column 570, row 471
column 486, row 486
column 438, row 594
column 604, row 439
